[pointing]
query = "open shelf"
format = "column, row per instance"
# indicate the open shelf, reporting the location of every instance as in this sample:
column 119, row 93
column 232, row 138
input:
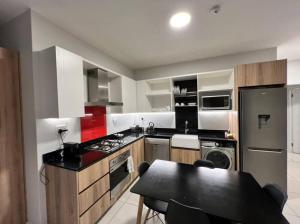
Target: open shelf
column 158, row 95
column 190, row 83
column 154, row 94
column 215, row 81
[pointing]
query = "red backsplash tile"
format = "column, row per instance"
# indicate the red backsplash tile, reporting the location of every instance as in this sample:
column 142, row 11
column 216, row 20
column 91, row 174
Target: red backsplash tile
column 93, row 125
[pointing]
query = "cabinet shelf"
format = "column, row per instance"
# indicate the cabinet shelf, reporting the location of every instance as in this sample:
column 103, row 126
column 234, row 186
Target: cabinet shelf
column 182, row 96
column 215, row 90
column 158, row 94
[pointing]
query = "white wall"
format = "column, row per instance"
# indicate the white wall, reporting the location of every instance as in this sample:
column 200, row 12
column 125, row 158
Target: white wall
column 293, row 79
column 213, row 120
column 121, row 122
column 16, row 34
column 46, row 34
column 206, row 65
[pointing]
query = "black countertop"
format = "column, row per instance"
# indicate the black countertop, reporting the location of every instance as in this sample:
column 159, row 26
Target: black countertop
column 89, row 157
column 86, row 157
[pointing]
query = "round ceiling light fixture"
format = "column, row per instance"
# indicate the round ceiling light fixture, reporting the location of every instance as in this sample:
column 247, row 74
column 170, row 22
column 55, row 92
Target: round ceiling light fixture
column 180, row 19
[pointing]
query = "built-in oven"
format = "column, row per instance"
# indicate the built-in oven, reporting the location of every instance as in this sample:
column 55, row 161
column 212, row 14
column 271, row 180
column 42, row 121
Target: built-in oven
column 119, row 174
column 216, row 102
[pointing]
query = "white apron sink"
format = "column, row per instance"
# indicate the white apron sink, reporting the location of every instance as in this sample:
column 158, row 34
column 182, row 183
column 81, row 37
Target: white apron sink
column 185, row 141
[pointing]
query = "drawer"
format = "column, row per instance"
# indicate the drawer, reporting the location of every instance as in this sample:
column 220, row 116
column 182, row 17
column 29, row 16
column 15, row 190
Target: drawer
column 96, row 211
column 90, row 195
column 91, row 174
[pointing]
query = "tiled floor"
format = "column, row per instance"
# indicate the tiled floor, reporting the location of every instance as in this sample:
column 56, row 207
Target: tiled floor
column 292, row 208
column 125, row 209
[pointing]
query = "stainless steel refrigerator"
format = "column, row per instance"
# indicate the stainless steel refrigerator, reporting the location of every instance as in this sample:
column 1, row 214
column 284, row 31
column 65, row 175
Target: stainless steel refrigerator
column 263, row 134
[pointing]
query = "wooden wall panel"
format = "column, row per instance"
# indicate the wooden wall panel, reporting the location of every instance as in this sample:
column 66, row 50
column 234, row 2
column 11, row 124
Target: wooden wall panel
column 12, row 207
column 234, row 129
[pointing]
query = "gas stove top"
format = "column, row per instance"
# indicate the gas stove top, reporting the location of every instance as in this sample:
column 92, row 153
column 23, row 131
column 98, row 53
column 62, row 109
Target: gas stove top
column 106, row 145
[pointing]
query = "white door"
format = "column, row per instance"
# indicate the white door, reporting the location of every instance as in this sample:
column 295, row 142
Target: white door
column 295, row 119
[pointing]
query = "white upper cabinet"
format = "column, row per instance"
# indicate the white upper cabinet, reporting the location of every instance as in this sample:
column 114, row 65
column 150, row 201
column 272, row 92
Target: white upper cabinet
column 59, row 84
column 129, row 95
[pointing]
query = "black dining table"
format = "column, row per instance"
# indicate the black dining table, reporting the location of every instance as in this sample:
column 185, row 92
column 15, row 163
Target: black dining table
column 231, row 195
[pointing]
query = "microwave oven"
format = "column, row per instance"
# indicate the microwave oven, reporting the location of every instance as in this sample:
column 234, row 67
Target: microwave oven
column 216, row 102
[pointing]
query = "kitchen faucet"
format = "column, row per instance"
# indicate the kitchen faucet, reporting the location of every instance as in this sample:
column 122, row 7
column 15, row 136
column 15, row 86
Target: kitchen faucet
column 186, row 127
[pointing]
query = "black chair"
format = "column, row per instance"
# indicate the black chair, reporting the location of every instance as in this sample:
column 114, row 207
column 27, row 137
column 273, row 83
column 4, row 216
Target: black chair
column 178, row 213
column 156, row 206
column 277, row 194
column 204, row 163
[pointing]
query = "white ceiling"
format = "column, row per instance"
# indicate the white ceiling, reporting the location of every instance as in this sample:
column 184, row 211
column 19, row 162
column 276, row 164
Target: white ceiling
column 137, row 33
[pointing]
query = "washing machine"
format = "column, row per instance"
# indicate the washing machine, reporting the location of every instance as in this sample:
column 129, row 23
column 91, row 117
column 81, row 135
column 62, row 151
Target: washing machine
column 221, row 154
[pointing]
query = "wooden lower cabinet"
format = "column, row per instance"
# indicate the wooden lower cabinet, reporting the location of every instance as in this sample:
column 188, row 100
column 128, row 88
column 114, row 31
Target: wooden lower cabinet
column 96, row 211
column 83, row 197
column 61, row 194
column 138, row 155
column 72, row 197
column 188, row 156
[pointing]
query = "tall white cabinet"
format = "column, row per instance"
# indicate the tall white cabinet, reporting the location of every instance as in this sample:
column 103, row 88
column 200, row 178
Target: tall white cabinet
column 59, row 84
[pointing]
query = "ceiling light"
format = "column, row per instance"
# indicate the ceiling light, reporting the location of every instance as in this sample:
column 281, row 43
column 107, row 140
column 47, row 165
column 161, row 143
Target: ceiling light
column 180, row 19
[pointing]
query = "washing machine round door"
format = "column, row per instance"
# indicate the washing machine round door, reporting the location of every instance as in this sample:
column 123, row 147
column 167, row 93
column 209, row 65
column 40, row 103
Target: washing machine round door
column 220, row 158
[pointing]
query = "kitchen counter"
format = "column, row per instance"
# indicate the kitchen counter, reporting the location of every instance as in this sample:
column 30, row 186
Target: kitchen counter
column 86, row 157
column 89, row 157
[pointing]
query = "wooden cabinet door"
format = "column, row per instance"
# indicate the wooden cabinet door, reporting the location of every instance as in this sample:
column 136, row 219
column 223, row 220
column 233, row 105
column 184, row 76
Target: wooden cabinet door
column 69, row 84
column 260, row 74
column 138, row 155
column 129, row 95
column 12, row 207
column 96, row 211
column 188, row 156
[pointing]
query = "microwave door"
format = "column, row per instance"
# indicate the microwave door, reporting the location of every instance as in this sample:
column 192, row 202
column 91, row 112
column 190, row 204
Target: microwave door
column 216, row 102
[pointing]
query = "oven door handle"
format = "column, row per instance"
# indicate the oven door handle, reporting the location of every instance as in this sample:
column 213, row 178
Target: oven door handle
column 114, row 168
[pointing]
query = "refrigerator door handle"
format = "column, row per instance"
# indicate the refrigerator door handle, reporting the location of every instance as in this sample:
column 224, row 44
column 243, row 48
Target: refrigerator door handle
column 265, row 149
